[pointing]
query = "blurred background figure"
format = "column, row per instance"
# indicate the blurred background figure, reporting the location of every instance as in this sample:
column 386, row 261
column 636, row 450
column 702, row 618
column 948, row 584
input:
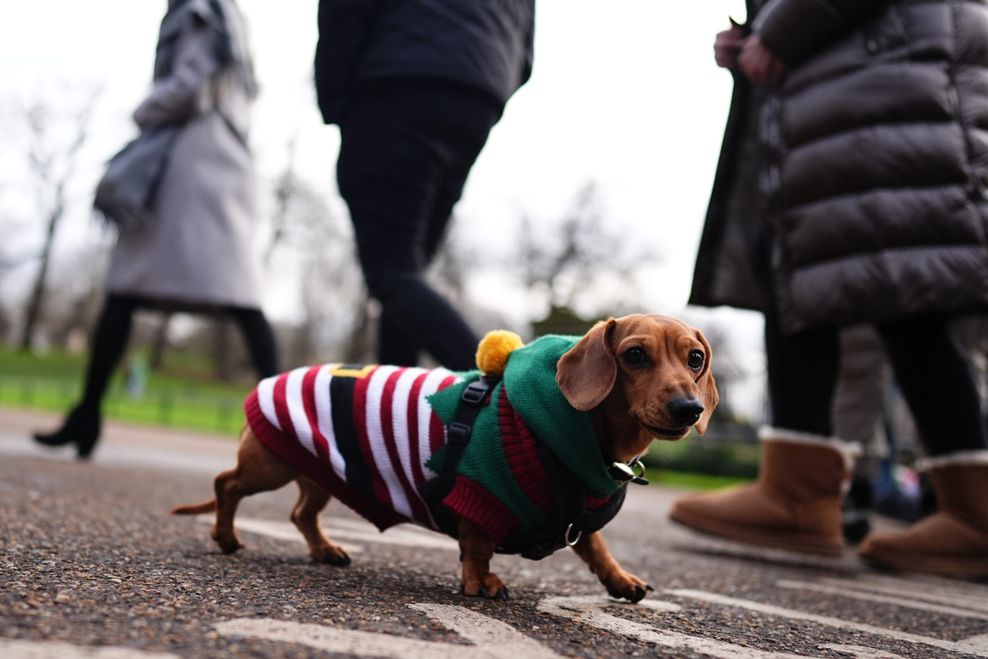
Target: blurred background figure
column 851, row 189
column 861, row 412
column 195, row 251
column 415, row 87
column 868, row 409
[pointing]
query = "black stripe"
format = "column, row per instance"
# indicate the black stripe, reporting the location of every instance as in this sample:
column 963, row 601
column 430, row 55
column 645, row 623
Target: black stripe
column 357, row 473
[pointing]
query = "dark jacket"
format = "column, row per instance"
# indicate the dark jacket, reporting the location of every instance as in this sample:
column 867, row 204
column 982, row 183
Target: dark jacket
column 486, row 46
column 870, row 166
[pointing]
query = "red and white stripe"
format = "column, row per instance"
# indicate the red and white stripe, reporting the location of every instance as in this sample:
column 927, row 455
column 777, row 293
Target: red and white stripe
column 397, row 430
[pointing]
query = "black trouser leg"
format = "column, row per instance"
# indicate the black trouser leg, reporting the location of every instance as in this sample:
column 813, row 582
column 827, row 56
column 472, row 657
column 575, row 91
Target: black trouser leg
column 83, row 423
column 405, row 153
column 802, row 378
column 802, row 368
column 937, row 381
column 393, row 346
column 107, row 346
column 259, row 338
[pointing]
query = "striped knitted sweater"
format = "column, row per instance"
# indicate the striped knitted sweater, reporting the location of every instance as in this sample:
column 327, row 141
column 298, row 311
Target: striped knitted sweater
column 372, row 436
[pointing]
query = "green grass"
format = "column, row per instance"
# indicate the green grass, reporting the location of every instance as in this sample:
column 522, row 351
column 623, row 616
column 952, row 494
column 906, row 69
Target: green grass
column 690, row 481
column 182, row 397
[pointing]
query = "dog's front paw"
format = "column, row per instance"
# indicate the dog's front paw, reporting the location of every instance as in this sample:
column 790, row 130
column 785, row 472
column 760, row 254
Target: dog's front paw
column 490, row 585
column 331, row 555
column 228, row 542
column 624, row 585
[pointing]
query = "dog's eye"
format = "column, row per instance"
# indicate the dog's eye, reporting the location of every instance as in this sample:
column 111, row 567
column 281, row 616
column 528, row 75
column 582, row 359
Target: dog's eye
column 695, row 360
column 635, row 356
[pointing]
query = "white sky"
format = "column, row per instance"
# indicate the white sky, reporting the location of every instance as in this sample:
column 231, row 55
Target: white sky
column 624, row 92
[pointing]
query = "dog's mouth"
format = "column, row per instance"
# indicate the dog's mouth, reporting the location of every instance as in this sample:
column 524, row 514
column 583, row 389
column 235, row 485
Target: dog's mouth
column 666, row 433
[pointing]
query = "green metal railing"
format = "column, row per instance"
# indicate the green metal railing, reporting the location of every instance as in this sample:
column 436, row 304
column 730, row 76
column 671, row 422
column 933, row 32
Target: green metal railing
column 188, row 407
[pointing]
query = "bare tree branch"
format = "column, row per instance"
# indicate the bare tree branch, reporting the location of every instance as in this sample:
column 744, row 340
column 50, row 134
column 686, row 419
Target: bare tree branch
column 51, row 184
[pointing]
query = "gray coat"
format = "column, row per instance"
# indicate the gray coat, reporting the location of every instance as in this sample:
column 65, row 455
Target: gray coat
column 871, row 165
column 198, row 248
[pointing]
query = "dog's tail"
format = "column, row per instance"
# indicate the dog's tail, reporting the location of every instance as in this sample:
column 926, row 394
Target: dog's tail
column 196, row 508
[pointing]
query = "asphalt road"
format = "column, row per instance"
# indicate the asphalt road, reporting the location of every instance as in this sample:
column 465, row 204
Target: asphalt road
column 91, row 565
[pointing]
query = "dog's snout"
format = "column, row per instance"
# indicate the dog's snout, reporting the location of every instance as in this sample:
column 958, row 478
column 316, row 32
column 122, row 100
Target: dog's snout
column 685, row 411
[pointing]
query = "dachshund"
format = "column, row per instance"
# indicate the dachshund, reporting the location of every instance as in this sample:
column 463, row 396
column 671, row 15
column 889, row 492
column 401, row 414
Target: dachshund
column 628, row 381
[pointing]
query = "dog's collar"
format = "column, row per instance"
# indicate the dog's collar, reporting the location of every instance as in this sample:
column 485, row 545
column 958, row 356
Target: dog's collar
column 630, row 472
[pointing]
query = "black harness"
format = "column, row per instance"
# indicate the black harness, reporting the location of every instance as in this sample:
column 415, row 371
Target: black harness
column 570, row 517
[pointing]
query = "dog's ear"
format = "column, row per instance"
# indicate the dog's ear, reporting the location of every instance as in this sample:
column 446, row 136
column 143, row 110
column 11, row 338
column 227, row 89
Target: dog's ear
column 587, row 372
column 708, row 386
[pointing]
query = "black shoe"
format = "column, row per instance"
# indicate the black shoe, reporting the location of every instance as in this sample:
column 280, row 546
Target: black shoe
column 81, row 427
column 856, row 511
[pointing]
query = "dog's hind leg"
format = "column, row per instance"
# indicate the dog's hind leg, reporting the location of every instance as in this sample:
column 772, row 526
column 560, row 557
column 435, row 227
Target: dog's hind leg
column 258, row 470
column 305, row 515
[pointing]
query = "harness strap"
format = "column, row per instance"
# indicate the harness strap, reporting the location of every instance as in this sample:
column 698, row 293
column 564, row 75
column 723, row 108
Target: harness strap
column 474, row 398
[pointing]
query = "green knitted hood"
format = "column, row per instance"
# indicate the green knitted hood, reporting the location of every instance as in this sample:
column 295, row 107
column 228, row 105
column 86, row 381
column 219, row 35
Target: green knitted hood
column 530, row 381
column 530, row 378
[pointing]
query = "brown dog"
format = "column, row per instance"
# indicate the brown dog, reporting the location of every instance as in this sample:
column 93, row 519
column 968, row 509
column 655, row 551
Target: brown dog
column 634, row 379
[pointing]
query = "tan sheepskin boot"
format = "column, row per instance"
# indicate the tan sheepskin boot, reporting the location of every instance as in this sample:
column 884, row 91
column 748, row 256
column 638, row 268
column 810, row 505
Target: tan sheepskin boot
column 954, row 540
column 794, row 505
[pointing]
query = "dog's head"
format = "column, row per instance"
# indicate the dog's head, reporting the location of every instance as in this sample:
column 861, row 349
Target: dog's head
column 659, row 366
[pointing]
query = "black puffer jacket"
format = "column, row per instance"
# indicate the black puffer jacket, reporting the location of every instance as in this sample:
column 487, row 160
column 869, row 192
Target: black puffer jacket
column 872, row 165
column 486, row 46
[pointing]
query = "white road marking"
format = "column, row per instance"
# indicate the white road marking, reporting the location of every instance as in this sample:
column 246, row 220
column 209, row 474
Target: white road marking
column 768, row 609
column 859, row 651
column 590, row 611
column 977, row 641
column 722, row 547
column 11, row 649
column 277, row 530
column 406, row 534
column 492, row 639
column 922, row 590
column 347, row 531
column 848, row 589
column 493, row 636
column 343, row 641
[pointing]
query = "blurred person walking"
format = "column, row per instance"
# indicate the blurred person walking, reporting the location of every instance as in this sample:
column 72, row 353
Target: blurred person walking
column 194, row 251
column 852, row 189
column 415, row 87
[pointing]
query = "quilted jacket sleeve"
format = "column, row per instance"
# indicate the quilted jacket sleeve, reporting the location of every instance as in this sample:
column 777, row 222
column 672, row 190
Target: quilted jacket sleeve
column 796, row 29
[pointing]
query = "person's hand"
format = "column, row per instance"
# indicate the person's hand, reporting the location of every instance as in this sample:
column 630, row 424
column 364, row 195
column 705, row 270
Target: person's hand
column 727, row 45
column 760, row 64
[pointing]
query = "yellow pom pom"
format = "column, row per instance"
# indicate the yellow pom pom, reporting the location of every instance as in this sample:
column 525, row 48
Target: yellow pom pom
column 493, row 351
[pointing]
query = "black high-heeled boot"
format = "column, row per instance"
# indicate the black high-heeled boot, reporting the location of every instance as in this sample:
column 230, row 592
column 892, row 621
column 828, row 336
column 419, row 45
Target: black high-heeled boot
column 81, row 427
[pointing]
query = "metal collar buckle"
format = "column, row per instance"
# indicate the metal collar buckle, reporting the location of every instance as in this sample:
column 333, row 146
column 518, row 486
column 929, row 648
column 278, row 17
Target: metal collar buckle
column 628, row 473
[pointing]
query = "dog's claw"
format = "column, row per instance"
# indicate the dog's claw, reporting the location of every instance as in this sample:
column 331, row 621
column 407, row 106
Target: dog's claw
column 336, row 558
column 339, row 561
column 488, row 588
column 635, row 596
column 230, row 547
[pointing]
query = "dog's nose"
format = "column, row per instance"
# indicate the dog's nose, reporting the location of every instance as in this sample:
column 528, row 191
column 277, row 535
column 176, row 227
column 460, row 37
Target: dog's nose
column 685, row 411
